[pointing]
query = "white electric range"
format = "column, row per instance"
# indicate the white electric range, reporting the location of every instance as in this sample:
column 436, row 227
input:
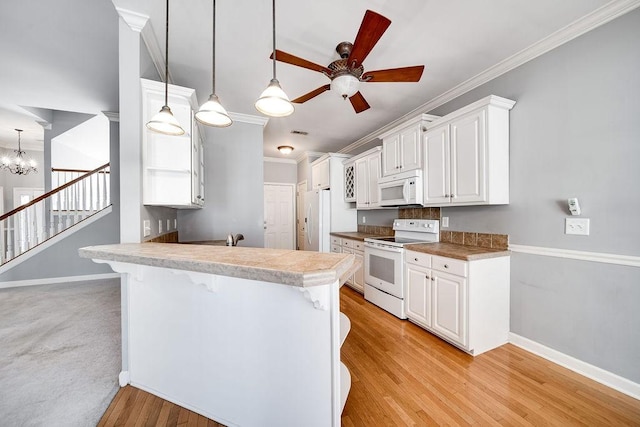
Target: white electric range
column 384, row 262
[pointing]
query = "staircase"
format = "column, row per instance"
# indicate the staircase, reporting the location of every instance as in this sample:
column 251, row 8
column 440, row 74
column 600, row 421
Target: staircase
column 60, row 210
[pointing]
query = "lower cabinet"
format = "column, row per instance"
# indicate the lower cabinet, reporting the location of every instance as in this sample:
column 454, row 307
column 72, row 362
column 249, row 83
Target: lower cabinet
column 464, row 302
column 355, row 247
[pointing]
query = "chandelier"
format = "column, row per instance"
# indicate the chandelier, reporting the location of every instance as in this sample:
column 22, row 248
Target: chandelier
column 18, row 164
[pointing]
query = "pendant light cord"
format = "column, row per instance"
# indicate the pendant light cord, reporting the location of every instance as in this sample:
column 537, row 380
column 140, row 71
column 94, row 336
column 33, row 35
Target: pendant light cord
column 166, row 60
column 213, row 52
column 273, row 10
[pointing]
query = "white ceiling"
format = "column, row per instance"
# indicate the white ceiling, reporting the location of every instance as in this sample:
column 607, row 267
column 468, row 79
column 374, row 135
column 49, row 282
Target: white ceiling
column 64, row 55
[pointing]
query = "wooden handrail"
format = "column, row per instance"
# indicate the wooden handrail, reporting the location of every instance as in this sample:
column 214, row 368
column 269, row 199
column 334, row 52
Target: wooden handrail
column 57, row 190
column 72, row 170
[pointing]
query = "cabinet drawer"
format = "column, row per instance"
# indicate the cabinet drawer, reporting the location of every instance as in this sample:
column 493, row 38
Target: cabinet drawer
column 349, row 243
column 336, row 240
column 336, row 249
column 358, row 245
column 418, row 258
column 449, row 265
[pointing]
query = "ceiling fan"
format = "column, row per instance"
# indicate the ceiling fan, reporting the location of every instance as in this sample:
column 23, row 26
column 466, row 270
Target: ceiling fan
column 347, row 72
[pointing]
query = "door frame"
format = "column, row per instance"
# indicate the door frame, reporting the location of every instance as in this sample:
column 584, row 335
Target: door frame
column 301, row 196
column 293, row 208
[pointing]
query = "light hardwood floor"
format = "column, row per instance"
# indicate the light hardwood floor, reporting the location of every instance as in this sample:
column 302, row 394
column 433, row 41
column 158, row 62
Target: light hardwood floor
column 402, row 375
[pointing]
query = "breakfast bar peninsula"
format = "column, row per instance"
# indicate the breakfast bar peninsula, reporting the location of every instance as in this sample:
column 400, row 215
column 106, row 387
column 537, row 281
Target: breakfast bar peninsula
column 244, row 336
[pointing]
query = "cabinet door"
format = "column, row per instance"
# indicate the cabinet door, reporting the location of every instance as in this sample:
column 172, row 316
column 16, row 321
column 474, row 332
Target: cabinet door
column 468, row 141
column 358, row 276
column 450, row 306
column 362, row 184
column 350, row 182
column 436, row 176
column 418, row 294
column 320, row 175
column 348, row 250
column 410, row 152
column 390, row 155
column 373, row 164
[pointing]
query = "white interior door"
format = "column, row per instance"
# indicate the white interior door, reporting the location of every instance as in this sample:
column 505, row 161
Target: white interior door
column 279, row 226
column 300, row 223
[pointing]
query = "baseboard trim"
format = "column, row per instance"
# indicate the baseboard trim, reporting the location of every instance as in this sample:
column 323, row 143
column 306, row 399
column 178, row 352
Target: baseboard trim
column 607, row 378
column 124, row 378
column 55, row 280
column 629, row 260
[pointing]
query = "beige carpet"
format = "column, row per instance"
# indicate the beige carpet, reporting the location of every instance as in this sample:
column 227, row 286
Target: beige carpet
column 59, row 353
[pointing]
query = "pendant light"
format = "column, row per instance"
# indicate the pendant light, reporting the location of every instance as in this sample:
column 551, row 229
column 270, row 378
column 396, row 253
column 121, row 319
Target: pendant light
column 273, row 101
column 164, row 121
column 212, row 113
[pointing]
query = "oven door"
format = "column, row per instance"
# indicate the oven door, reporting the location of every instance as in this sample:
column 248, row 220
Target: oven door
column 383, row 268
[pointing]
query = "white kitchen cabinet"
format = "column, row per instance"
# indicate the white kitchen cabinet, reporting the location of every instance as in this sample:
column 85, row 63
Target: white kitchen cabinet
column 320, row 174
column 355, row 247
column 349, row 181
column 402, row 145
column 466, row 155
column 367, row 175
column 464, row 302
column 173, row 166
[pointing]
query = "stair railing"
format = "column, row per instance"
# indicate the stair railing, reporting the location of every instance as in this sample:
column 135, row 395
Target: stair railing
column 48, row 215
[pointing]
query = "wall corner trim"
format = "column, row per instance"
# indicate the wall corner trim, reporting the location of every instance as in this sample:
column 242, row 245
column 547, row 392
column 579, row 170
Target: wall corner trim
column 136, row 21
column 628, row 260
column 600, row 375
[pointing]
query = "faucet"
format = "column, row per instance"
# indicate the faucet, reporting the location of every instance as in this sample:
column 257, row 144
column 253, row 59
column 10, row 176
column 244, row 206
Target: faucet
column 233, row 240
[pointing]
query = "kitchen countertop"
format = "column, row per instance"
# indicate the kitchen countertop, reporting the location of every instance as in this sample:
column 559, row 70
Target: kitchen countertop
column 462, row 252
column 352, row 235
column 289, row 267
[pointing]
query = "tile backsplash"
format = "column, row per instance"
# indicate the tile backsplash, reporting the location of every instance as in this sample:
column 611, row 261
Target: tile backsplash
column 419, row 213
column 375, row 230
column 483, row 240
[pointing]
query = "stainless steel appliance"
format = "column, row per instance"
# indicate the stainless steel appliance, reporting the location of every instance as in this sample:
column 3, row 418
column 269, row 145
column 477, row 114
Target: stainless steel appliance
column 401, row 189
column 384, row 262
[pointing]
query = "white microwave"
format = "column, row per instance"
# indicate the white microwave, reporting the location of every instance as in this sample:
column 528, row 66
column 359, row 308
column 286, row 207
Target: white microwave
column 401, row 189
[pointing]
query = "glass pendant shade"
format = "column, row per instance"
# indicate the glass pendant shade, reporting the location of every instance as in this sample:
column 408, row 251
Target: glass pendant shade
column 212, row 113
column 164, row 122
column 345, row 85
column 274, row 102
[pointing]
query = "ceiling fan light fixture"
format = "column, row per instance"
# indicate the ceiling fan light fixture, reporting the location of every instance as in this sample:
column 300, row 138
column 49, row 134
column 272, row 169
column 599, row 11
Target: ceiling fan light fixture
column 274, row 102
column 164, row 122
column 285, row 149
column 346, row 85
column 212, row 113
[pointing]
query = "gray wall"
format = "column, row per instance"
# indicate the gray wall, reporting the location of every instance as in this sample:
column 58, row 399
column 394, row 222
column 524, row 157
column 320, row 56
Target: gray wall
column 574, row 132
column 304, row 168
column 61, row 259
column 280, row 172
column 234, row 187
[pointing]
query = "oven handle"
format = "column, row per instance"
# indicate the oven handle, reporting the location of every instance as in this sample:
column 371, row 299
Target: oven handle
column 382, row 248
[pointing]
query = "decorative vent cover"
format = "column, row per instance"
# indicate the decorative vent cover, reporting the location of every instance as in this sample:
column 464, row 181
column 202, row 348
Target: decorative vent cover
column 299, row 132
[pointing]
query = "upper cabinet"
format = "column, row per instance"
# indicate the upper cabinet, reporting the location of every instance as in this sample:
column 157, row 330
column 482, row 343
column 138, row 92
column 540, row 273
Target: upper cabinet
column 321, row 174
column 173, row 166
column 466, row 155
column 402, row 146
column 367, row 175
column 349, row 181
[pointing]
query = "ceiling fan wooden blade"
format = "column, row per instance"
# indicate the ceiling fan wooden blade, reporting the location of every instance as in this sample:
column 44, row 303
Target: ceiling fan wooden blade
column 372, row 27
column 312, row 94
column 359, row 103
column 294, row 60
column 405, row 74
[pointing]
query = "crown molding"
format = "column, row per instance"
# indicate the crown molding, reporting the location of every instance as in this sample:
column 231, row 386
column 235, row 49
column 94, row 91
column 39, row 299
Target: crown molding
column 279, row 160
column 136, row 21
column 306, row 154
column 247, row 118
column 598, row 17
column 112, row 116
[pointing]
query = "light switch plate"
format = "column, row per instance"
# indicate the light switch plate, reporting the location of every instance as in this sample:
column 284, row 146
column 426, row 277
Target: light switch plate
column 159, row 226
column 579, row 226
column 445, row 222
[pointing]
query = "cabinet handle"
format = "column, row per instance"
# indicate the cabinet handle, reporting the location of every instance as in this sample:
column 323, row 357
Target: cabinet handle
column 433, row 279
column 446, row 266
column 453, row 196
column 427, row 277
column 416, row 259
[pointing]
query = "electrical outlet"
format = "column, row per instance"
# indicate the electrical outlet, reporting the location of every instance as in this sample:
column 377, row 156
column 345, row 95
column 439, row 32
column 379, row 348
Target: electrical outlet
column 445, row 222
column 168, row 224
column 364, row 219
column 159, row 226
column 175, row 224
column 146, row 228
column 578, row 226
